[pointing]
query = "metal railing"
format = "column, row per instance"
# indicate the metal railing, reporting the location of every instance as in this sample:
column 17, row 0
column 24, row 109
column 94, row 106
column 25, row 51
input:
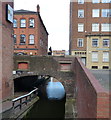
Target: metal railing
column 19, row 101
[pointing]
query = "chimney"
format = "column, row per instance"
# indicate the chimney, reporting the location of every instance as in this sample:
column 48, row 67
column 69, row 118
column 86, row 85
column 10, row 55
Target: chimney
column 38, row 8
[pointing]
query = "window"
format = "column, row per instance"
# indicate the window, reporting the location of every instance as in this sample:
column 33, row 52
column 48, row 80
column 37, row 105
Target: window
column 105, row 42
column 22, row 23
column 95, row 27
column 106, row 1
column 15, row 39
column 31, row 22
column 105, row 67
column 22, row 39
column 14, row 23
column 31, row 39
column 106, row 12
column 80, row 13
column 105, row 56
column 80, row 42
column 95, row 1
column 94, row 67
column 80, row 27
column 80, row 1
column 105, row 27
column 94, row 56
column 94, row 42
column 95, row 13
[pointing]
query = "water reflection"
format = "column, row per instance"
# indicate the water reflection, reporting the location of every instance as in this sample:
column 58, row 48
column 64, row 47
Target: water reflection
column 51, row 103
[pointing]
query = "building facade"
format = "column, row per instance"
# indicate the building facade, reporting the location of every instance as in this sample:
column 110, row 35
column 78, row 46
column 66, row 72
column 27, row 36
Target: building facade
column 30, row 34
column 59, row 52
column 90, row 29
column 6, row 50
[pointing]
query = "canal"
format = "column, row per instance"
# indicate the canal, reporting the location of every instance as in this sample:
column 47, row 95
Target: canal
column 51, row 103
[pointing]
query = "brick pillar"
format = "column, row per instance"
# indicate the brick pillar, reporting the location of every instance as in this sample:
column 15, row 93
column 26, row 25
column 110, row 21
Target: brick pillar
column 6, row 52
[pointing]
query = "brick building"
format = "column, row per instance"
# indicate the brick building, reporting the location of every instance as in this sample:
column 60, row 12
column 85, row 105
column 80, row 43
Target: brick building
column 90, row 30
column 30, row 34
column 6, row 50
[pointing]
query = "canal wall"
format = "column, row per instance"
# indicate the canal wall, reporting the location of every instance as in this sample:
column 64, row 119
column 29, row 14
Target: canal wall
column 92, row 100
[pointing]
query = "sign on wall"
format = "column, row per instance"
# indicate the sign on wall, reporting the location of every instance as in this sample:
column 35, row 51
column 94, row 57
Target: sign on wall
column 9, row 12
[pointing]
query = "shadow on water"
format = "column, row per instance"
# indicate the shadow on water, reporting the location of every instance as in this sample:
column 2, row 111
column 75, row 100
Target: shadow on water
column 47, row 109
column 51, row 103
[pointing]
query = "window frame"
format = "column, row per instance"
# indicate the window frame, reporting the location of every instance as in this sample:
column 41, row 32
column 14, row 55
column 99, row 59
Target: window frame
column 79, row 13
column 30, row 39
column 31, row 23
column 94, row 59
column 106, row 13
column 15, row 39
column 23, row 25
column 81, row 28
column 14, row 25
column 95, row 28
column 105, row 59
column 108, row 40
column 106, row 28
column 80, row 1
column 95, row 12
column 95, row 1
column 22, row 43
column 93, row 42
column 80, row 42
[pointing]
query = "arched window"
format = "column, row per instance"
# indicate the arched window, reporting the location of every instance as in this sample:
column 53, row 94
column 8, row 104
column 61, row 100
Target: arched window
column 31, row 39
column 15, row 39
column 23, row 23
column 15, row 23
column 22, row 39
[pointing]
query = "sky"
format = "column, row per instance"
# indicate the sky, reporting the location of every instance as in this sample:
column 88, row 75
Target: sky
column 55, row 15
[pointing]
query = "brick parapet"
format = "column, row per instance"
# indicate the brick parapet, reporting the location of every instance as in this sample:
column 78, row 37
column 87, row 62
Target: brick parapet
column 92, row 99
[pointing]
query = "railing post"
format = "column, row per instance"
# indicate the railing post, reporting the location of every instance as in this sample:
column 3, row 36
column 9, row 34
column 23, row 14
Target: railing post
column 20, row 103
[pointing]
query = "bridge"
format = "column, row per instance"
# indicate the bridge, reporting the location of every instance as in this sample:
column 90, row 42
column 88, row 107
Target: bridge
column 76, row 78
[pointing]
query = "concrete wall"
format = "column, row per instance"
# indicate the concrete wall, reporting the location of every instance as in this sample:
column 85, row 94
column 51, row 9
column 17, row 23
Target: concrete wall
column 92, row 99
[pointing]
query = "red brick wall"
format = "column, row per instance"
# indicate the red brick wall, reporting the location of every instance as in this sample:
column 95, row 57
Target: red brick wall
column 92, row 99
column 23, row 66
column 6, row 47
column 38, row 31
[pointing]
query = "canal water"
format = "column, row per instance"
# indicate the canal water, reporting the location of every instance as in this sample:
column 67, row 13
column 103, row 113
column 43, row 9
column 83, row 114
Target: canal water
column 51, row 103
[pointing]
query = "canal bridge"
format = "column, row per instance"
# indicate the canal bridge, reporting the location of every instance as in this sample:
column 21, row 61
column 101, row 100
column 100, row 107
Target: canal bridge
column 57, row 67
column 76, row 78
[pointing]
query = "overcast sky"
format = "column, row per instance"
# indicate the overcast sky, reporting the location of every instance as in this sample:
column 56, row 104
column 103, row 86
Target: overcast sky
column 55, row 15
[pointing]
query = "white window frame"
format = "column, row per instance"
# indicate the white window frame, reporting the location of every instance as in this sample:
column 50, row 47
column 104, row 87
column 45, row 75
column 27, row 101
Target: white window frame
column 80, row 42
column 105, row 56
column 95, row 1
column 95, row 12
column 95, row 27
column 94, row 56
column 31, row 39
column 81, row 13
column 80, row 1
column 23, row 23
column 106, row 13
column 106, row 27
column 106, row 1
column 80, row 27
